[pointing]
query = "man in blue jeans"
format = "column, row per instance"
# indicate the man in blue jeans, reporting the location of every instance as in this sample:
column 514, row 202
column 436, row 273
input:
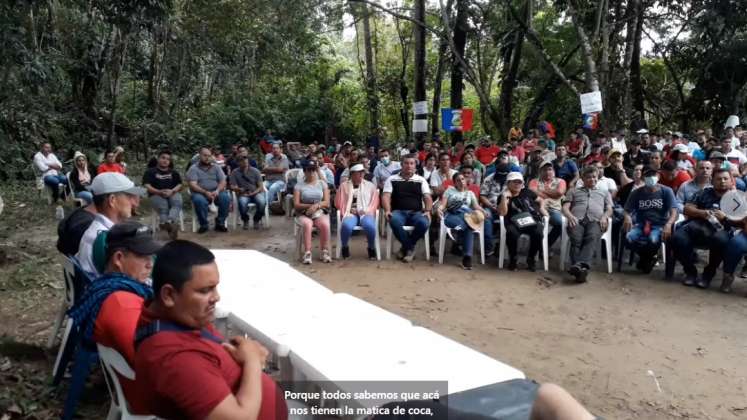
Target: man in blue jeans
column 207, row 182
column 650, row 213
column 275, row 168
column 50, row 168
column 407, row 201
column 706, row 227
column 247, row 183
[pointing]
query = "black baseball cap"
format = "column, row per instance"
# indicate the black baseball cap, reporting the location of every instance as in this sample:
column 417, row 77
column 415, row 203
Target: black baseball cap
column 649, row 170
column 132, row 236
column 308, row 164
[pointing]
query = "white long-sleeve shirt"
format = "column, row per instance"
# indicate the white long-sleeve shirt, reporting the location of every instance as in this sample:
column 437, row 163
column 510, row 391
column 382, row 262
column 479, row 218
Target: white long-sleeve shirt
column 42, row 163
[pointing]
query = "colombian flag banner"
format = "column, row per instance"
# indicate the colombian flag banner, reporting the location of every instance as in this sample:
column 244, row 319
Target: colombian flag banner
column 456, row 119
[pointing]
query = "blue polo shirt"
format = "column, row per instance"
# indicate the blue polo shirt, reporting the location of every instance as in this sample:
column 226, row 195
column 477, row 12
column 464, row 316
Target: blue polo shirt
column 567, row 170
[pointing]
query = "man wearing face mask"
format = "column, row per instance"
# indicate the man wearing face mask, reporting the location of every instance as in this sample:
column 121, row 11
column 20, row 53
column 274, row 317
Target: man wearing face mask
column 650, row 213
column 385, row 168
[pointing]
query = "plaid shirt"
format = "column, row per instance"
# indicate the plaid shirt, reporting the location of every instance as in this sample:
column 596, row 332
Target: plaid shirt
column 491, row 189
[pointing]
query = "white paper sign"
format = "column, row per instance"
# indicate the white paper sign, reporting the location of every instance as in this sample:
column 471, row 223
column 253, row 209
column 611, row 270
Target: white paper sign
column 591, row 102
column 419, row 108
column 419, row 126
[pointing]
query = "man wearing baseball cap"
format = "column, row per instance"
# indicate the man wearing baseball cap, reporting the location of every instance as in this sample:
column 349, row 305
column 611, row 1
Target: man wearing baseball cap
column 113, row 195
column 108, row 311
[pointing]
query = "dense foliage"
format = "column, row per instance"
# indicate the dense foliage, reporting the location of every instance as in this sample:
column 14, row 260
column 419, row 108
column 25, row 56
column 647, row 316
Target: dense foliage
column 93, row 74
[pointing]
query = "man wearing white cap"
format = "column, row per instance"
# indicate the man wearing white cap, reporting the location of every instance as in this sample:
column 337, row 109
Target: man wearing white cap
column 358, row 201
column 523, row 211
column 113, row 195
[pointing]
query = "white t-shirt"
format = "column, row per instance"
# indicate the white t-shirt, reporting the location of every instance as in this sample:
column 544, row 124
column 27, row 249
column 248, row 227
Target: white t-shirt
column 437, row 179
column 42, row 163
column 736, row 156
column 603, row 183
column 85, row 249
column 619, row 145
column 424, row 188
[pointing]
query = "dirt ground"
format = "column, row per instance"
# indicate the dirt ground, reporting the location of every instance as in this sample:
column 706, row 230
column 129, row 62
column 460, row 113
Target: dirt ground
column 608, row 341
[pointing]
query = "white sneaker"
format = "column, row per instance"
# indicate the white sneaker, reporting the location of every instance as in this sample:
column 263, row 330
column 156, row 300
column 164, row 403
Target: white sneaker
column 326, row 257
column 307, row 258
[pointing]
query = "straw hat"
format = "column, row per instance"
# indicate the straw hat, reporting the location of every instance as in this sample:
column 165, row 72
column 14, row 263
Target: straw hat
column 475, row 219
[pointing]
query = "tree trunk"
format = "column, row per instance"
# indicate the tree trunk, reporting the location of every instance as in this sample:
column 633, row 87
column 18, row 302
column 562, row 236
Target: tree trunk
column 635, row 72
column 590, row 68
column 420, row 64
column 436, row 114
column 457, row 75
column 117, row 64
column 373, row 100
column 631, row 16
column 511, row 62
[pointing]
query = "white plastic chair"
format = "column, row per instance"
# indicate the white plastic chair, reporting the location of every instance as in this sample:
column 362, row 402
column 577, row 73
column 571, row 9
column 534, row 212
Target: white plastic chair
column 606, row 237
column 298, row 235
column 377, row 244
column 68, row 299
column 545, row 249
column 444, row 231
column 71, row 194
column 288, row 207
column 113, row 364
column 194, row 215
column 251, row 209
column 41, row 187
column 426, row 241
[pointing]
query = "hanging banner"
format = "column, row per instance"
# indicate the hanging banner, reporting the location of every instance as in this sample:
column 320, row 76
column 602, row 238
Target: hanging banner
column 419, row 126
column 456, row 119
column 591, row 102
column 420, row 107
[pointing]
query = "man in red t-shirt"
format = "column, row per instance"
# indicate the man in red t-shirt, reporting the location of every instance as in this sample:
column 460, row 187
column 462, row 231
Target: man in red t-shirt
column 672, row 176
column 110, row 165
column 183, row 367
column 487, row 153
column 113, row 301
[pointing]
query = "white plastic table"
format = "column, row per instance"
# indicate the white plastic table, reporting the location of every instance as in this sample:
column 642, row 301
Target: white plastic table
column 338, row 337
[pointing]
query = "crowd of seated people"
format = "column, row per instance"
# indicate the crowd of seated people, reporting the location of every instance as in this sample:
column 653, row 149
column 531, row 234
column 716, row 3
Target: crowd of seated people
column 154, row 304
column 648, row 189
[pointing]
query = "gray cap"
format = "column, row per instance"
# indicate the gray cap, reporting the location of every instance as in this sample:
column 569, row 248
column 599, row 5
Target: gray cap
column 716, row 155
column 113, row 182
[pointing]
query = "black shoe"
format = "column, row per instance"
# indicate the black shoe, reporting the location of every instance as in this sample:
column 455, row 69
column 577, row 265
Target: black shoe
column 689, row 281
column 246, row 225
column 401, row 253
column 372, row 254
column 579, row 273
column 467, row 263
column 511, row 265
column 345, row 252
column 703, row 283
column 221, row 228
column 202, row 229
column 726, row 283
column 531, row 266
column 489, row 251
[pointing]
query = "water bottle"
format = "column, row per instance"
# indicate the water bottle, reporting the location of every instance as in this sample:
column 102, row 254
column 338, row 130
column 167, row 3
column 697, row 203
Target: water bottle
column 59, row 213
column 714, row 222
